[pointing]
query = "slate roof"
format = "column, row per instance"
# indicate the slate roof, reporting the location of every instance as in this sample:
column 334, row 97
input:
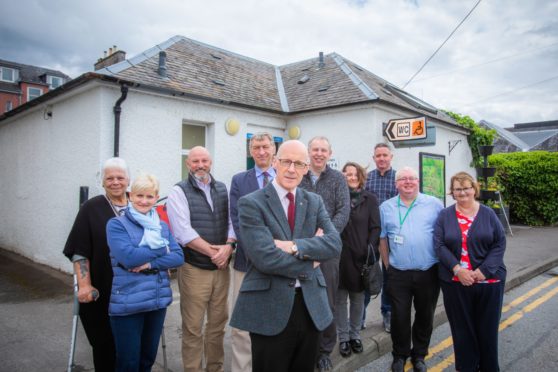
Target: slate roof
column 31, row 74
column 506, row 138
column 201, row 70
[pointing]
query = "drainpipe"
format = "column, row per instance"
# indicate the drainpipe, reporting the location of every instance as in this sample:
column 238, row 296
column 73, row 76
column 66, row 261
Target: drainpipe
column 117, row 110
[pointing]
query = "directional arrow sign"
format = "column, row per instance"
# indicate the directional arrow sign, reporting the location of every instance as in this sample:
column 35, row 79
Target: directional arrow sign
column 406, row 129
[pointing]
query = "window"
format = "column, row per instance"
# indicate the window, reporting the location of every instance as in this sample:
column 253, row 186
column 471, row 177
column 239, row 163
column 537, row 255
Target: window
column 8, row 74
column 54, row 81
column 33, row 93
column 8, row 106
column 192, row 136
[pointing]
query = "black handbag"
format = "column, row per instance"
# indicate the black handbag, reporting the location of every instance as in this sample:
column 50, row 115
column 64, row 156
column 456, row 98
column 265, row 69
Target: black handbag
column 371, row 274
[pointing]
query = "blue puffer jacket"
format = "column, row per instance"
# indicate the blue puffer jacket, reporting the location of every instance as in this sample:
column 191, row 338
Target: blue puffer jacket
column 136, row 292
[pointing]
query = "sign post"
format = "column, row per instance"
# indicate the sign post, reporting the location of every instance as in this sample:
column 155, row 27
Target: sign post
column 406, row 129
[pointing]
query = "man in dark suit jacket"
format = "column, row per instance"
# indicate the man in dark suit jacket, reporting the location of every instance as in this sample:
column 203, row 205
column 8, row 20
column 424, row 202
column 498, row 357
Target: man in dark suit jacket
column 283, row 300
column 262, row 149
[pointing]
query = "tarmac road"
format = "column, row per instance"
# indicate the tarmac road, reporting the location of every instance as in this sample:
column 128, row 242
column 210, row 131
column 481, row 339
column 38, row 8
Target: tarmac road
column 36, row 311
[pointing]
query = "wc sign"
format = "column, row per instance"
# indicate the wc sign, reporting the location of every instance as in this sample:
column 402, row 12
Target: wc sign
column 406, row 129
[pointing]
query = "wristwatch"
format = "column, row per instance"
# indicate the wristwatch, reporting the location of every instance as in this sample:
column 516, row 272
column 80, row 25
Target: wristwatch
column 294, row 249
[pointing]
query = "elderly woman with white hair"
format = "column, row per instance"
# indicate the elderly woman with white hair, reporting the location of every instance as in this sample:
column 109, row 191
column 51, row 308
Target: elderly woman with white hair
column 87, row 248
column 142, row 250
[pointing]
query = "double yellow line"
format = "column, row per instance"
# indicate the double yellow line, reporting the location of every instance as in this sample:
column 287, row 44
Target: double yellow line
column 447, row 362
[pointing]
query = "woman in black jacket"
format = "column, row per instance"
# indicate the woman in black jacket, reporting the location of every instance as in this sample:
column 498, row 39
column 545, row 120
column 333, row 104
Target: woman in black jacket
column 362, row 231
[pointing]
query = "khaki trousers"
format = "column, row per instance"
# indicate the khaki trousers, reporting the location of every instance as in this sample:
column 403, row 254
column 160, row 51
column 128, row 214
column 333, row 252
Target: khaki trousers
column 240, row 340
column 203, row 293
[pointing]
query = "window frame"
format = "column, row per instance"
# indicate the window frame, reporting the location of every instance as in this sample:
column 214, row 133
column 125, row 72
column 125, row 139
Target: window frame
column 50, row 78
column 29, row 93
column 15, row 74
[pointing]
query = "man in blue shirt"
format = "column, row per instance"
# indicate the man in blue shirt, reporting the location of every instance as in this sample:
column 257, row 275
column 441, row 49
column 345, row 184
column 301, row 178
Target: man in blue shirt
column 381, row 182
column 407, row 250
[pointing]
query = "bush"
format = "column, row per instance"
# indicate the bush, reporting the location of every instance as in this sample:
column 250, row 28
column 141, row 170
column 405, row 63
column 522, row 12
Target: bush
column 529, row 185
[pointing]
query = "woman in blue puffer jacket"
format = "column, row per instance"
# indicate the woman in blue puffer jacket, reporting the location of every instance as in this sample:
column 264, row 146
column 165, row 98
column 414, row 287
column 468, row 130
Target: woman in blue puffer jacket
column 142, row 250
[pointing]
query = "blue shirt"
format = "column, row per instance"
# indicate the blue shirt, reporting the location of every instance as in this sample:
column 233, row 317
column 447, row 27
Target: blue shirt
column 260, row 175
column 417, row 250
column 381, row 186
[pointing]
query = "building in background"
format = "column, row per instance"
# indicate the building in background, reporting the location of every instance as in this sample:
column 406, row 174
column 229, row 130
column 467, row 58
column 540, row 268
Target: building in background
column 152, row 108
column 535, row 136
column 21, row 83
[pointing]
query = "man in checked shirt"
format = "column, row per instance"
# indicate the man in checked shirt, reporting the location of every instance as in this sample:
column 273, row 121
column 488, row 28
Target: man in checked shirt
column 381, row 182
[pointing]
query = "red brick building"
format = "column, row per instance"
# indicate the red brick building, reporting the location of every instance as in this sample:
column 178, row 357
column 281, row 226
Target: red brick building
column 21, row 83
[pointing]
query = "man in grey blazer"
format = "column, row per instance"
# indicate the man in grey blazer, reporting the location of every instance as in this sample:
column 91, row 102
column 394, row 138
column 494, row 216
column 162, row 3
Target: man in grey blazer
column 283, row 300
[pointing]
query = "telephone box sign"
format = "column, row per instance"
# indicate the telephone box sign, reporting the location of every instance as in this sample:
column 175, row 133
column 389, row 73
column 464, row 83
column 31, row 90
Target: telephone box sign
column 406, row 129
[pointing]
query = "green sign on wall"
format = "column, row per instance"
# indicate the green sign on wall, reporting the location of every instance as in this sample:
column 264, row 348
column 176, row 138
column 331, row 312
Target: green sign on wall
column 433, row 175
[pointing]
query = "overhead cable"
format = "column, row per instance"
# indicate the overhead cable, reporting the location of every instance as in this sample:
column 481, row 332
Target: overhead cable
column 440, row 47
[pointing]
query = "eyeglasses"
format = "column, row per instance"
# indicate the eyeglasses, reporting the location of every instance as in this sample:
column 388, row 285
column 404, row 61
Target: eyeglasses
column 405, row 179
column 459, row 190
column 286, row 163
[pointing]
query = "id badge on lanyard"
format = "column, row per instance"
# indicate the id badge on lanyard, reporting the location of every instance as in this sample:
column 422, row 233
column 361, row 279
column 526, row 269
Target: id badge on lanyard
column 399, row 238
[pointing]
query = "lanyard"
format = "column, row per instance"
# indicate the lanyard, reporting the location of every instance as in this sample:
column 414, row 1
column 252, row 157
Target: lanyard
column 401, row 221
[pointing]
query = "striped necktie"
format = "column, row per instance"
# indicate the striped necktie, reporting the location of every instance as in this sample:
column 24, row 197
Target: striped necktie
column 265, row 178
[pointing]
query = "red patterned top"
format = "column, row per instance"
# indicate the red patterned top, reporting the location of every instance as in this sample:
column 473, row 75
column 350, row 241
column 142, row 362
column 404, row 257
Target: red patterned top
column 465, row 263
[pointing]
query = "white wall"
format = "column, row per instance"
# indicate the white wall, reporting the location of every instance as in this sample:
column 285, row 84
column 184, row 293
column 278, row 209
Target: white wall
column 44, row 162
column 151, row 135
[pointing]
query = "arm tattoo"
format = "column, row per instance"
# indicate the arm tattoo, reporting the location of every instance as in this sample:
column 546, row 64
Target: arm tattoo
column 83, row 268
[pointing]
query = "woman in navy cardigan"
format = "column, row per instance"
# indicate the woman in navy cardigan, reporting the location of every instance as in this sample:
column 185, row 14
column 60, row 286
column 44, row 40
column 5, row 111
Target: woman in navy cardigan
column 142, row 250
column 470, row 243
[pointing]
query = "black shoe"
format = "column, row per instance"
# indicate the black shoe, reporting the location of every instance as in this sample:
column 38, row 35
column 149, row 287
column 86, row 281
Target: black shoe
column 419, row 365
column 356, row 346
column 345, row 349
column 398, row 365
column 324, row 363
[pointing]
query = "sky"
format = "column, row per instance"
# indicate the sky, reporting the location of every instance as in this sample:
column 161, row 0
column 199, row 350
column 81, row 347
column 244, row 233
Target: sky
column 500, row 65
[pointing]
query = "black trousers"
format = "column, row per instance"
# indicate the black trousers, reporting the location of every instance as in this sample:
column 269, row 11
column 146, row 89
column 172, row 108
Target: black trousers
column 294, row 349
column 474, row 317
column 407, row 288
column 96, row 323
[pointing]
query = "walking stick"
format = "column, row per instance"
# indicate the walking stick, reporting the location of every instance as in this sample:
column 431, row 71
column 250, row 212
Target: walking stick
column 83, row 196
column 74, row 326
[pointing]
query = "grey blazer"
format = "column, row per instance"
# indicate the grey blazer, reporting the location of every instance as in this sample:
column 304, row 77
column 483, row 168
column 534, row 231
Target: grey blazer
column 267, row 293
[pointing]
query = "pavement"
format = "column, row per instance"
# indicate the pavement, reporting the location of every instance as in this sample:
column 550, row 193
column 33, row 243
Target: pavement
column 36, row 311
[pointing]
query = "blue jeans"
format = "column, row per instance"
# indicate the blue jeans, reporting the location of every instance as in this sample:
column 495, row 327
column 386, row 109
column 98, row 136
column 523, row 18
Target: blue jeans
column 136, row 338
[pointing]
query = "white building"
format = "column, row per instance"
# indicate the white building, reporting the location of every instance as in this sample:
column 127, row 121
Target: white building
column 196, row 94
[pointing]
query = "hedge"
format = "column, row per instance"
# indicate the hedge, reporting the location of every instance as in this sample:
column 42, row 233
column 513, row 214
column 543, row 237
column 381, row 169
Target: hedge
column 528, row 182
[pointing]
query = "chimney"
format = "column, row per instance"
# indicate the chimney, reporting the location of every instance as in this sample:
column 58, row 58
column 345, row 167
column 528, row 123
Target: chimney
column 321, row 62
column 162, row 71
column 114, row 56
